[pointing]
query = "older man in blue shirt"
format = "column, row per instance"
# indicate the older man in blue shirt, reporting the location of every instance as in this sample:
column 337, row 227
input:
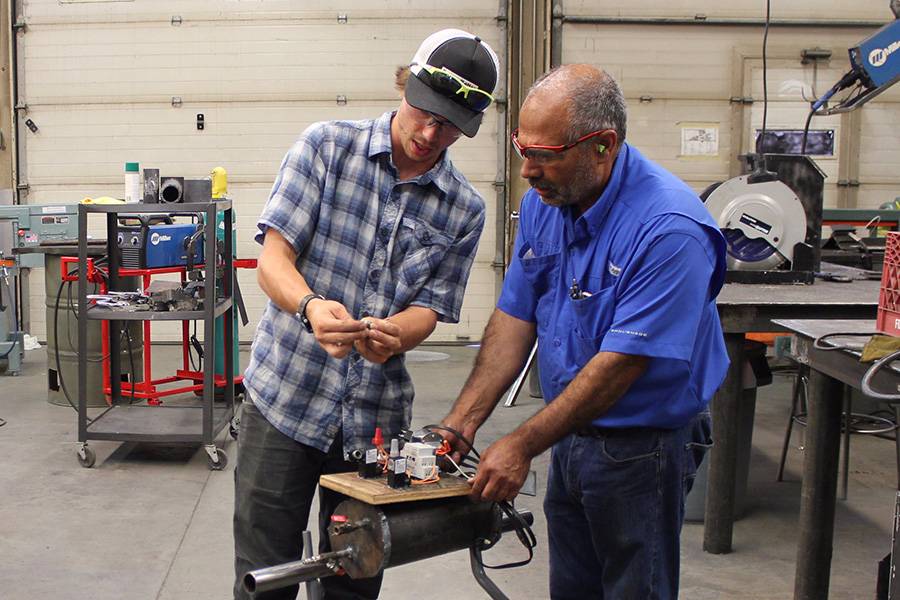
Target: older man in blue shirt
column 368, row 239
column 615, row 271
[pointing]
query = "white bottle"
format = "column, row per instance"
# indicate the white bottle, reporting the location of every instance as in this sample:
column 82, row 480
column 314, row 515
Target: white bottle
column 132, row 182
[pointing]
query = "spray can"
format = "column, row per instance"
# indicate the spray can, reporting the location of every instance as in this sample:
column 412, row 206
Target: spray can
column 396, row 477
column 132, row 182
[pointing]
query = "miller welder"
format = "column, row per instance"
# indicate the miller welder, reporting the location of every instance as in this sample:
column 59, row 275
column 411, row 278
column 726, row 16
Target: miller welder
column 152, row 244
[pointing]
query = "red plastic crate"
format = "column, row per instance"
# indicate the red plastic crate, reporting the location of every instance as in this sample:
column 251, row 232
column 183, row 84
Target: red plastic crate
column 889, row 297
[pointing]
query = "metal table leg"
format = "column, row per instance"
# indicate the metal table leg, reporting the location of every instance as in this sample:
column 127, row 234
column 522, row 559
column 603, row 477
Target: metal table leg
column 723, row 455
column 817, row 497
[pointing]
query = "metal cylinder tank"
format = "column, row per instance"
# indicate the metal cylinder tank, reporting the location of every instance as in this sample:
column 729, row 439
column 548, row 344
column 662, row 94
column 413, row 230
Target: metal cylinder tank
column 66, row 342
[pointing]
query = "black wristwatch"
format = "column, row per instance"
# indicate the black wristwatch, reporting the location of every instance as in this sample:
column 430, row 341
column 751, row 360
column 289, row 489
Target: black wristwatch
column 301, row 310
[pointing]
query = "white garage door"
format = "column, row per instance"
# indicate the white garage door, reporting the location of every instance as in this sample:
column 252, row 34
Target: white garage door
column 110, row 81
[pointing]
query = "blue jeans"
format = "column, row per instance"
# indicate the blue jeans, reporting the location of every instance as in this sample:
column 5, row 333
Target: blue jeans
column 615, row 506
column 275, row 478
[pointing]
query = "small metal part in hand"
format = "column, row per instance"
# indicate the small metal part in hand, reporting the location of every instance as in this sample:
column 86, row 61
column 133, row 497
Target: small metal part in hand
column 339, row 343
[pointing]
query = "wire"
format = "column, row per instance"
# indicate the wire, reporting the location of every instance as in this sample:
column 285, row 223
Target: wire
column 762, row 136
column 522, row 529
column 819, row 342
column 806, row 131
column 459, row 436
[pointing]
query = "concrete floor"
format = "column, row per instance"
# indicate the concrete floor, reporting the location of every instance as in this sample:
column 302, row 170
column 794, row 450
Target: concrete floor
column 152, row 522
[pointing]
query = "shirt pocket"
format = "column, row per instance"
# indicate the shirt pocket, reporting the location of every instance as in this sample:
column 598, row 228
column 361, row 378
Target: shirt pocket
column 539, row 270
column 593, row 317
column 421, row 249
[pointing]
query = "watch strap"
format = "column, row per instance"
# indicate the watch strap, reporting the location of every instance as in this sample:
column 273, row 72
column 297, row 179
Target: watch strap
column 301, row 310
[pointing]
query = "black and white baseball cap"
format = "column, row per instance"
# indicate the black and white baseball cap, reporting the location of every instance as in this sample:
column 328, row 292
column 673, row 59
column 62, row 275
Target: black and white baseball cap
column 453, row 75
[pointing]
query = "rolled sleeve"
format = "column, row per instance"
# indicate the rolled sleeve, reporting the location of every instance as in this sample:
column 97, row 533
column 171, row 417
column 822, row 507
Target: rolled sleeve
column 293, row 205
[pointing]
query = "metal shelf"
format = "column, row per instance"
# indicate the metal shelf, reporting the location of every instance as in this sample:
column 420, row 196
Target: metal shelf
column 194, row 419
column 141, row 423
column 103, row 313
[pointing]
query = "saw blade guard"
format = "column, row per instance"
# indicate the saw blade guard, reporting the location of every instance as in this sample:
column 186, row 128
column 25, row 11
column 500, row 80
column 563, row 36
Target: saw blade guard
column 761, row 222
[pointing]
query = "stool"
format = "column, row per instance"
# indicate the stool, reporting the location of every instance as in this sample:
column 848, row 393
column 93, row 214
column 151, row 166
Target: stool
column 852, row 423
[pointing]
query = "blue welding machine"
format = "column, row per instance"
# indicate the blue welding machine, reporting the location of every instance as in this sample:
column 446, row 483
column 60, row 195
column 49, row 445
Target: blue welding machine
column 150, row 246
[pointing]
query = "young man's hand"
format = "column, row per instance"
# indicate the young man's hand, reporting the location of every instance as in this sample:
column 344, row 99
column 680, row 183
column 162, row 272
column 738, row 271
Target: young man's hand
column 334, row 328
column 381, row 340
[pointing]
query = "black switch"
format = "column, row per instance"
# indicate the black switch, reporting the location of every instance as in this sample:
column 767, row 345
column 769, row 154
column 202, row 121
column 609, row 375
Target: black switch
column 200, row 121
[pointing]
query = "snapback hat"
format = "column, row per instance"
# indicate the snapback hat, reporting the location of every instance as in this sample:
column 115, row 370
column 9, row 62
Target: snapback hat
column 453, row 75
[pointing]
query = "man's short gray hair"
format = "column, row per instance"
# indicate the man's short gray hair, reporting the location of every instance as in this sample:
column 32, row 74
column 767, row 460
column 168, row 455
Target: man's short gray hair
column 594, row 104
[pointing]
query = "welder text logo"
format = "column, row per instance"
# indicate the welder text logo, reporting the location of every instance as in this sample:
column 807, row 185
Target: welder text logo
column 156, row 238
column 879, row 56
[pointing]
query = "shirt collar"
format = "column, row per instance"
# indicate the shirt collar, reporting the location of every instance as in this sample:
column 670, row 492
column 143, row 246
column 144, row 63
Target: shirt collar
column 591, row 221
column 441, row 174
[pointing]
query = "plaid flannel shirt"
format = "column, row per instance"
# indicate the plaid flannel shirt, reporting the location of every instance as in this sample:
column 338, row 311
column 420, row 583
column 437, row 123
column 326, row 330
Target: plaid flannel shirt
column 377, row 245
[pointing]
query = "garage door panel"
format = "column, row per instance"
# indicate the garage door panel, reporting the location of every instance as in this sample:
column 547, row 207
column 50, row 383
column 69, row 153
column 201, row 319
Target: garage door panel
column 244, row 10
column 249, row 141
column 753, row 9
column 153, row 62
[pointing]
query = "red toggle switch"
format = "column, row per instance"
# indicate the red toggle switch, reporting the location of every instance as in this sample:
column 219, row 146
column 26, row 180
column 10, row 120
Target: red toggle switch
column 338, row 518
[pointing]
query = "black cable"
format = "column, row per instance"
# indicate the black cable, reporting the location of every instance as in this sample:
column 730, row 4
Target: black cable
column 459, row 436
column 806, row 131
column 762, row 137
column 819, row 342
column 522, row 529
column 59, row 374
column 130, row 360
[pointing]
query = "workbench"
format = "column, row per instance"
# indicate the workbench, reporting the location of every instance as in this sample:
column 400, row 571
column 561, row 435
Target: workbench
column 829, row 372
column 746, row 308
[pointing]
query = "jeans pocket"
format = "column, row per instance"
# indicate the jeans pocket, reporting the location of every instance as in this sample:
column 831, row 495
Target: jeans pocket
column 624, row 449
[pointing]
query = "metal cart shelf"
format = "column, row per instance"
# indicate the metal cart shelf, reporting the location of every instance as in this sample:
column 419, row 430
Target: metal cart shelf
column 181, row 420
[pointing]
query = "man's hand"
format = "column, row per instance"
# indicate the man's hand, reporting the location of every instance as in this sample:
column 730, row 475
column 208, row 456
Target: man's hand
column 501, row 471
column 381, row 340
column 334, row 328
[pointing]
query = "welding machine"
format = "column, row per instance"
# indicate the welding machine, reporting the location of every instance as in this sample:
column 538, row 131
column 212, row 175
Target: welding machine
column 151, row 245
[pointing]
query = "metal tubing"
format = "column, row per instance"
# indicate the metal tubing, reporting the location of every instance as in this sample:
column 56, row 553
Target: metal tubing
column 719, row 525
column 821, row 23
column 481, row 577
column 298, row 571
column 817, row 496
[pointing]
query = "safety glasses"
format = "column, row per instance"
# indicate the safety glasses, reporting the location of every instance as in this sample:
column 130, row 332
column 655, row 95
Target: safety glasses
column 448, row 83
column 540, row 153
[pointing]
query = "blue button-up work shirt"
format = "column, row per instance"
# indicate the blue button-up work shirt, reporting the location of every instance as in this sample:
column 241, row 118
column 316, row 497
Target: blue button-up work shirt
column 377, row 245
column 646, row 261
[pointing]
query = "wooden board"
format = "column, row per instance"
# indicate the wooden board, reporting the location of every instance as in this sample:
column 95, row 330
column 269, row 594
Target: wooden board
column 376, row 491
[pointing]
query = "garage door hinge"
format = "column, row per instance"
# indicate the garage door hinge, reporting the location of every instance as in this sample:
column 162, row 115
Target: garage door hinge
column 848, row 183
column 20, row 26
column 741, row 100
column 499, row 184
column 22, row 186
column 21, row 106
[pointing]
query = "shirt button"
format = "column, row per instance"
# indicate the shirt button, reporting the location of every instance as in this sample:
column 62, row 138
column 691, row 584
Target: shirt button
column 556, row 342
column 373, row 274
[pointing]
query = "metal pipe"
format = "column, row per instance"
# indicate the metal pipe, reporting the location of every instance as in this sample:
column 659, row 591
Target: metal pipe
column 703, row 20
column 298, row 571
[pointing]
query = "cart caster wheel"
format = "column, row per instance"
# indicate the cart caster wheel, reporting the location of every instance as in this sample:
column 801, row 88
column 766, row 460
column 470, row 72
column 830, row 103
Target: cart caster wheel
column 222, row 462
column 234, row 428
column 86, row 457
